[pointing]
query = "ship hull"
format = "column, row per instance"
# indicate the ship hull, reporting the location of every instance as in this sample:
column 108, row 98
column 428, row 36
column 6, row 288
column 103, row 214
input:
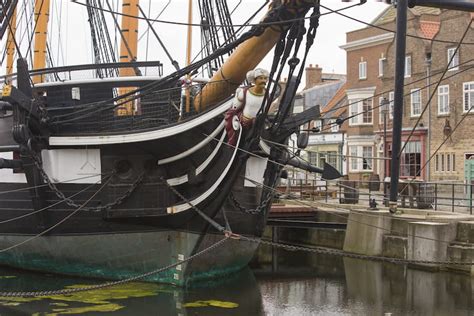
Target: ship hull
column 138, row 201
column 126, row 255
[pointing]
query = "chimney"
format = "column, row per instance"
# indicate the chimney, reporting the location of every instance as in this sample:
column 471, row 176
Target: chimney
column 314, row 76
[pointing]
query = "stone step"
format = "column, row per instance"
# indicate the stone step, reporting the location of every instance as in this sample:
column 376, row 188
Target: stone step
column 395, row 246
column 465, row 231
column 461, row 252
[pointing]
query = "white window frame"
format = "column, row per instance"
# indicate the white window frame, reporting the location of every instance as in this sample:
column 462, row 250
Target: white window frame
column 356, row 161
column 356, row 107
column 363, row 70
column 334, row 128
column 412, row 102
column 391, row 99
column 381, row 66
column 380, row 111
column 468, row 96
column 443, row 100
column 408, row 65
column 454, row 64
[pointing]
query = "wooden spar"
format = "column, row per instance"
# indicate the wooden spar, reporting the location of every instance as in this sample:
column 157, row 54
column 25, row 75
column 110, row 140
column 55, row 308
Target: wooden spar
column 128, row 52
column 246, row 57
column 129, row 30
column 189, row 49
column 41, row 32
column 11, row 43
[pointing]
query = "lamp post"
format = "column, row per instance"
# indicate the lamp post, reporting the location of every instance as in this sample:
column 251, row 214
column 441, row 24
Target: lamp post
column 384, row 107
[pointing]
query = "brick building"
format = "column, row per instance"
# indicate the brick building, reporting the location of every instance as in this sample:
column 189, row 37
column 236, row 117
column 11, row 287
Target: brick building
column 325, row 145
column 371, row 69
column 454, row 99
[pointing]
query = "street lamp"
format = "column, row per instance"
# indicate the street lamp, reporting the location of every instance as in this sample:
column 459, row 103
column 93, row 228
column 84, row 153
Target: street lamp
column 384, row 107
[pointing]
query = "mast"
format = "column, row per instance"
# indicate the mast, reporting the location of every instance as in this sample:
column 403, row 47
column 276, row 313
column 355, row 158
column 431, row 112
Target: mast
column 11, row 43
column 128, row 51
column 188, row 49
column 41, row 32
column 129, row 30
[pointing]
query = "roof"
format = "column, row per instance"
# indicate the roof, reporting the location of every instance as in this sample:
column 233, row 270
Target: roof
column 321, row 94
column 336, row 101
column 429, row 28
column 389, row 14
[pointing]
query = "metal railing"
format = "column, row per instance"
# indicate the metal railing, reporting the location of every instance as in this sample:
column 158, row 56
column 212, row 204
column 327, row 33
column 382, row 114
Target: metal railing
column 442, row 196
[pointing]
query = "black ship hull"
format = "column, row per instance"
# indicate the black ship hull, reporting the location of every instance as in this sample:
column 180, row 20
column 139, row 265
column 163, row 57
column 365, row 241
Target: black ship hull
column 137, row 202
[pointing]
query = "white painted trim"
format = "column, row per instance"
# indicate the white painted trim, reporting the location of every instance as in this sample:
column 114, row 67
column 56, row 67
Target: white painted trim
column 139, row 137
column 368, row 42
column 213, row 154
column 194, row 148
column 7, row 175
column 184, row 179
column 265, row 147
column 184, row 206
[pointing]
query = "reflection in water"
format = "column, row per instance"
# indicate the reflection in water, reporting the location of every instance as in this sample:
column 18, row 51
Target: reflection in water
column 236, row 295
column 296, row 283
column 285, row 283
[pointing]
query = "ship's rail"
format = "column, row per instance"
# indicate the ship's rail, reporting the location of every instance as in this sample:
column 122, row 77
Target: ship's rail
column 88, row 71
column 96, row 107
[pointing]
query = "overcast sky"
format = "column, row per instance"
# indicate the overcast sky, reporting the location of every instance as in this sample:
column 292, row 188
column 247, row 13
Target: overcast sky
column 75, row 43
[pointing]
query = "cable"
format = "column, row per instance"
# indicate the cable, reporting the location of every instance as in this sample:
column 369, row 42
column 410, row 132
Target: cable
column 390, row 31
column 49, row 206
column 382, row 93
column 43, row 185
column 435, row 89
column 200, row 25
column 58, row 223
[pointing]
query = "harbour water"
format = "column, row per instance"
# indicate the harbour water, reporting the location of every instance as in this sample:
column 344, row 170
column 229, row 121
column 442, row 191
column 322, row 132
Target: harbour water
column 278, row 282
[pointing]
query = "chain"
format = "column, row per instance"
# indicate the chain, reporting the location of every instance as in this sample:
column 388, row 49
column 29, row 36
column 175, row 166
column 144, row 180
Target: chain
column 342, row 253
column 194, row 207
column 263, row 205
column 71, row 203
column 113, row 283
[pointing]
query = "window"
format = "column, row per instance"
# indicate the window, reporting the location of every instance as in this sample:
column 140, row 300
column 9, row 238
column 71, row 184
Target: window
column 363, row 70
column 333, row 126
column 468, row 96
column 445, row 162
column 354, row 159
column 318, row 124
column 407, row 66
column 366, row 157
column 380, row 110
column 361, row 158
column 454, row 64
column 364, row 109
column 410, row 160
column 415, row 102
column 381, row 65
column 443, row 99
column 391, row 98
column 330, row 157
column 367, row 109
column 313, row 157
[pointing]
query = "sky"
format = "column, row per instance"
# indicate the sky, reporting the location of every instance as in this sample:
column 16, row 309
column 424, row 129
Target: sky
column 73, row 46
